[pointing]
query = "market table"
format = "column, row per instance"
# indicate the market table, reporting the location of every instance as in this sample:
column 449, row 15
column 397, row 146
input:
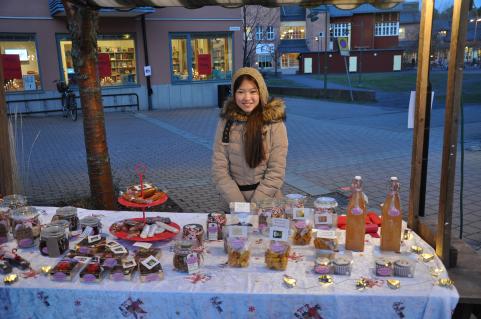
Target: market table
column 222, row 292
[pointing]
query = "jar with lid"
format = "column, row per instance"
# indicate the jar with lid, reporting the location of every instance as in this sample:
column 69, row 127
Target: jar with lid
column 270, row 208
column 53, row 241
column 69, row 214
column 325, row 216
column 63, row 224
column 215, row 225
column 194, row 232
column 9, row 203
column 25, row 225
column 294, row 201
column 93, row 222
column 186, row 259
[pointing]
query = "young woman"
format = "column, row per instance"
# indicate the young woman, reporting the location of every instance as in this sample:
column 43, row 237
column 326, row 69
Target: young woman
column 250, row 146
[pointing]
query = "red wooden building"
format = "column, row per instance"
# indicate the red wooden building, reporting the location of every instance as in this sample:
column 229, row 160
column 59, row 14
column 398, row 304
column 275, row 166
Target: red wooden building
column 373, row 38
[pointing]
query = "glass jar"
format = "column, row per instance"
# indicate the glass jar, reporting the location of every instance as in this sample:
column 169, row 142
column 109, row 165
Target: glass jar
column 301, row 232
column 185, row 258
column 25, row 225
column 53, row 241
column 277, row 255
column 93, row 222
column 69, row 214
column 238, row 252
column 215, row 225
column 194, row 232
column 63, row 224
column 9, row 203
column 325, row 216
column 294, row 201
column 270, row 208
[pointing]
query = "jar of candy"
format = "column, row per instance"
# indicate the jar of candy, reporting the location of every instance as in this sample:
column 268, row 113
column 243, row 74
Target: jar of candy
column 53, row 241
column 294, row 201
column 194, row 232
column 25, row 225
column 93, row 222
column 9, row 203
column 185, row 258
column 215, row 225
column 325, row 216
column 238, row 252
column 69, row 214
column 277, row 255
column 63, row 224
column 301, row 232
column 270, row 208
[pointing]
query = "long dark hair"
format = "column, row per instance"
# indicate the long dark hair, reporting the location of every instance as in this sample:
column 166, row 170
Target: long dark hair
column 253, row 144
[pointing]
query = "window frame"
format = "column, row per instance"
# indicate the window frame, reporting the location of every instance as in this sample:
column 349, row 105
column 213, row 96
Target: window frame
column 386, row 29
column 270, row 34
column 259, row 33
column 26, row 36
column 66, row 36
column 188, row 37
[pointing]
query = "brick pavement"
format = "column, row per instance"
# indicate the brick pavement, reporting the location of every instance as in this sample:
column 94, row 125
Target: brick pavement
column 329, row 143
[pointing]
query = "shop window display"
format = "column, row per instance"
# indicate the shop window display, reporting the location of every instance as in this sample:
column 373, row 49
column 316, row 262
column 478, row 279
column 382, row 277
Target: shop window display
column 210, row 57
column 20, row 62
column 116, row 59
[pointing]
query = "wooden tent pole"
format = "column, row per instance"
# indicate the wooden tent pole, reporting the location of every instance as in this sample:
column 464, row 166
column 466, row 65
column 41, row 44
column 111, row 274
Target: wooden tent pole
column 6, row 165
column 420, row 113
column 451, row 124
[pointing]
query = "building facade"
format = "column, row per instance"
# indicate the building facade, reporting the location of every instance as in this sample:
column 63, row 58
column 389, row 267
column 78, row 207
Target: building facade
column 190, row 52
column 372, row 36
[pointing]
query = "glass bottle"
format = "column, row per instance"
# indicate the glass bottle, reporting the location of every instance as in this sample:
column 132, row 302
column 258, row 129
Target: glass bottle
column 391, row 218
column 356, row 217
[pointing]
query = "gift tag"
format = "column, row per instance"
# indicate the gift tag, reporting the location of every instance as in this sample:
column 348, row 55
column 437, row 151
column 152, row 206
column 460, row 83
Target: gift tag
column 192, row 263
column 238, row 231
column 118, row 250
column 242, row 207
column 322, row 233
column 323, row 218
column 112, row 244
column 150, row 262
column 87, row 231
column 93, row 239
column 129, row 263
column 142, row 245
column 280, row 222
column 212, row 231
column 278, row 233
column 299, row 213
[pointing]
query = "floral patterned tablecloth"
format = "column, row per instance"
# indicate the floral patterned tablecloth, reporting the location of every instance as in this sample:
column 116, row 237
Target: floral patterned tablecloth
column 222, row 292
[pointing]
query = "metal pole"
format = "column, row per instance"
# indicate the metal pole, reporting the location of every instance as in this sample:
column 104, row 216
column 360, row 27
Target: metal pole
column 348, row 79
column 319, row 59
column 360, row 54
column 325, row 55
column 146, row 57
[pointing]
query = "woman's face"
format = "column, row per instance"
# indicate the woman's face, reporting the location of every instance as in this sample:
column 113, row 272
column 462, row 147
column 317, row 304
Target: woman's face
column 247, row 96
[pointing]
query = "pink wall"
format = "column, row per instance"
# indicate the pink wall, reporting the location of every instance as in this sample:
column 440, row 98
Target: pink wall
column 158, row 25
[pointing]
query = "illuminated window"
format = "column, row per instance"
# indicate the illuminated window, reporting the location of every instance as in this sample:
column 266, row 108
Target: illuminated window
column 208, row 57
column 293, row 30
column 290, row 60
column 116, row 59
column 386, row 29
column 402, row 33
column 264, row 61
column 340, row 30
column 20, row 62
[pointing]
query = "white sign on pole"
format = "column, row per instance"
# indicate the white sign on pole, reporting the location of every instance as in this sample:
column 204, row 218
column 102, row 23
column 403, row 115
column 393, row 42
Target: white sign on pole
column 147, row 70
column 412, row 106
column 307, row 65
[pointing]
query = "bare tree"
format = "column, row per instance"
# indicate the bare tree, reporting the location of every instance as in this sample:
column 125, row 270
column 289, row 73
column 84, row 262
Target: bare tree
column 83, row 24
column 252, row 18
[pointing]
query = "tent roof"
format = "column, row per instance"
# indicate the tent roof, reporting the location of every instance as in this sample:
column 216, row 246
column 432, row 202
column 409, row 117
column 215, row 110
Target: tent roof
column 342, row 4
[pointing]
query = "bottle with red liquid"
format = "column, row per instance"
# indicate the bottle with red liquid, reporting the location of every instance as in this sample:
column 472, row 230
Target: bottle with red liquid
column 356, row 217
column 391, row 218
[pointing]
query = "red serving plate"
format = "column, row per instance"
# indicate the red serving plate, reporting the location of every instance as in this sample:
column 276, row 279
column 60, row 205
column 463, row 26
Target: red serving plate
column 162, row 236
column 122, row 201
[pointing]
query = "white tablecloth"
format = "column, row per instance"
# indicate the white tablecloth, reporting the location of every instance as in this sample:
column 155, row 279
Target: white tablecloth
column 253, row 292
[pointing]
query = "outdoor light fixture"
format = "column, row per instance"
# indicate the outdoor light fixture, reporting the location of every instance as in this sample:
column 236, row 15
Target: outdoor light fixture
column 375, row 54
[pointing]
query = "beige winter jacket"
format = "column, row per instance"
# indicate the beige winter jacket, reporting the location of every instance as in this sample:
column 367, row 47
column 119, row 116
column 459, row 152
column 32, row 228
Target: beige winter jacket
column 229, row 167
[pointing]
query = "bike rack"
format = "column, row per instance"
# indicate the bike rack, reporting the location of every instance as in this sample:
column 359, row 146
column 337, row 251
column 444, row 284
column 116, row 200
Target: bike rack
column 45, row 103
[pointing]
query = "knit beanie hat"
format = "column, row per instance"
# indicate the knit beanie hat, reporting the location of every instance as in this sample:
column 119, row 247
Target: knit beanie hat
column 263, row 93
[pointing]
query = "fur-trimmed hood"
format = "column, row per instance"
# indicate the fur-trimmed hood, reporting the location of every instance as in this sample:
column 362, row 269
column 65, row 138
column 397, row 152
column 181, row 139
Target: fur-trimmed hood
column 274, row 111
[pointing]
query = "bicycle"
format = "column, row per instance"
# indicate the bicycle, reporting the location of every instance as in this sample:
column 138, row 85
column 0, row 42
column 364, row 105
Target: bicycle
column 69, row 102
